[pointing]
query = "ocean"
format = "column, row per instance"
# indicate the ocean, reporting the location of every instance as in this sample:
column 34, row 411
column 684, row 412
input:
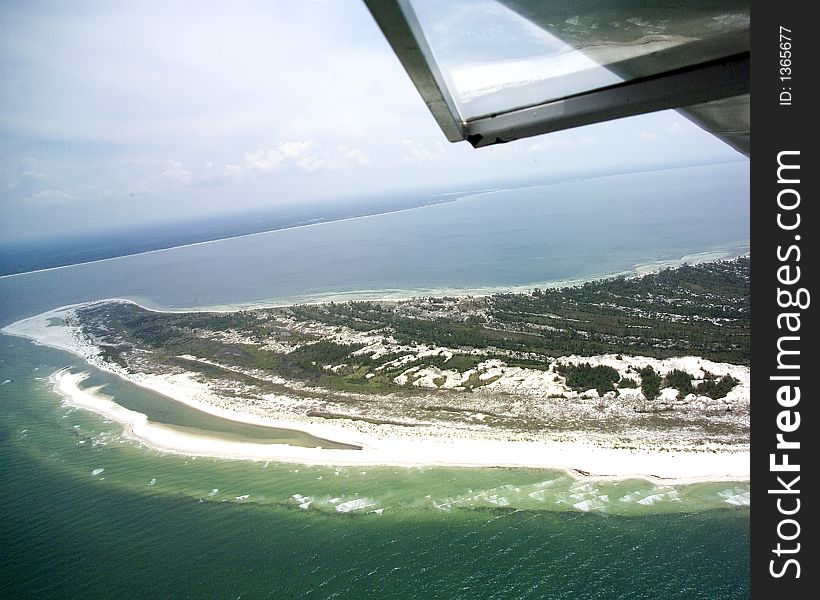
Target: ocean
column 87, row 513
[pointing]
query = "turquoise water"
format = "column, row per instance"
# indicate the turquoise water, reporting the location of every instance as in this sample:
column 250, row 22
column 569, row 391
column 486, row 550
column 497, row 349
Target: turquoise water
column 108, row 519
column 175, row 415
column 87, row 513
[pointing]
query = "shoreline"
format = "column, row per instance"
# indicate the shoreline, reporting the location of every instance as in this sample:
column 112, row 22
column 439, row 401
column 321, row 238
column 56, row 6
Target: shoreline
column 580, row 460
column 389, row 295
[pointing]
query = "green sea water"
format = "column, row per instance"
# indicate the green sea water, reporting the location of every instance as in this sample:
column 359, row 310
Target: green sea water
column 88, row 513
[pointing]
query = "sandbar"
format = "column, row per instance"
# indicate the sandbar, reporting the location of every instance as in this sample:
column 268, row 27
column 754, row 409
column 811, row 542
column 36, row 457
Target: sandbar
column 382, row 445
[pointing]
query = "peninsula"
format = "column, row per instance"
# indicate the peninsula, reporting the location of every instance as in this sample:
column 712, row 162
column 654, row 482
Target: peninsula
column 644, row 376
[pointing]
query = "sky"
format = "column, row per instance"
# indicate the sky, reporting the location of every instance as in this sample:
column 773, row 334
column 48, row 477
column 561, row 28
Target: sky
column 115, row 114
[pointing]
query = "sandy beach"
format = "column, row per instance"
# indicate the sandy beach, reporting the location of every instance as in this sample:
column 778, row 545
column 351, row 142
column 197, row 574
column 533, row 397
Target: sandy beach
column 381, row 444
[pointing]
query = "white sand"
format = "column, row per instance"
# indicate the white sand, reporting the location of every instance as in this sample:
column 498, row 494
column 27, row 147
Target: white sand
column 38, row 330
column 612, row 462
column 381, row 445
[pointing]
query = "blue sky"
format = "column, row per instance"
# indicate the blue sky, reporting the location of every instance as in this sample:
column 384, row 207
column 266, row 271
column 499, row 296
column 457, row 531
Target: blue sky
column 121, row 113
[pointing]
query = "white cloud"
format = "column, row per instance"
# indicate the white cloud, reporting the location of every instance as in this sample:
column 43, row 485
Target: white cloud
column 176, row 171
column 419, row 152
column 674, row 128
column 291, row 157
column 300, row 154
column 50, row 197
column 232, row 171
column 303, row 91
column 351, row 156
column 27, row 178
column 647, row 135
column 28, row 175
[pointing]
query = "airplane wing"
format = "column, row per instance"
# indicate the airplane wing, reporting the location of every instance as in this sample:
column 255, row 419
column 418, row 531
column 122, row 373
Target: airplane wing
column 500, row 70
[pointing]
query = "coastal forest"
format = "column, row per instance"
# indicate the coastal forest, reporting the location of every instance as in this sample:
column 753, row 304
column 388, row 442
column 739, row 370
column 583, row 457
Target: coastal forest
column 373, row 346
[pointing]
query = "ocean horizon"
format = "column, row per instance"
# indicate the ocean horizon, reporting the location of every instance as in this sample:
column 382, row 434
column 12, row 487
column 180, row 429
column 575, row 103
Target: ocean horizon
column 503, row 240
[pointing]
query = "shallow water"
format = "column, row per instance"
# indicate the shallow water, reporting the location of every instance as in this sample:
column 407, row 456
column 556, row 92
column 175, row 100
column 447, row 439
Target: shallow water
column 100, row 514
column 176, row 415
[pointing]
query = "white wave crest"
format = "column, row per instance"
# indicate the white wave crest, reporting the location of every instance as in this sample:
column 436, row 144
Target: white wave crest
column 736, row 497
column 357, row 504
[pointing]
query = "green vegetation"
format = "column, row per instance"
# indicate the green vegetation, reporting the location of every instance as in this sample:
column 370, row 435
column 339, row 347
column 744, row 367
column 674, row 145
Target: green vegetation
column 650, row 383
column 310, row 360
column 680, row 380
column 717, row 389
column 114, row 354
column 475, row 381
column 699, row 310
column 585, row 377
